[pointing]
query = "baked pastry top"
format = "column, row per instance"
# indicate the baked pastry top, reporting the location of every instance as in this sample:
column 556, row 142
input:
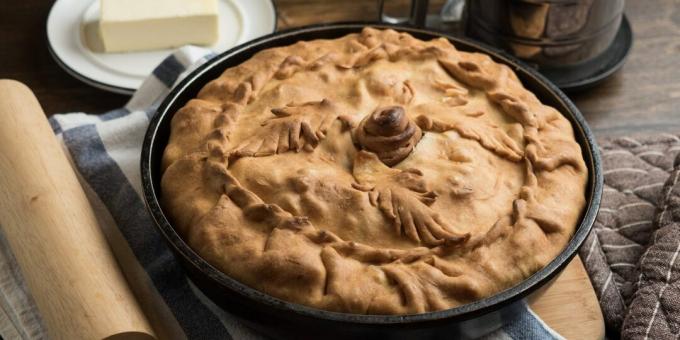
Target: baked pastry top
column 373, row 174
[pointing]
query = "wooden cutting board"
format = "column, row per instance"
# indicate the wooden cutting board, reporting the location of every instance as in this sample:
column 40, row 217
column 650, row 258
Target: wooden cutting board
column 568, row 304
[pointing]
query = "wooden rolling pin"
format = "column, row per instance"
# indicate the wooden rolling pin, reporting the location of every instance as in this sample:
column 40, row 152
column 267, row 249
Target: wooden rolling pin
column 52, row 230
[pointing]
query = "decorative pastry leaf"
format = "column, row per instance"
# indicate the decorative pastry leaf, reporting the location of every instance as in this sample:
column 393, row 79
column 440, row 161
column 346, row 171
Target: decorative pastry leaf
column 391, row 86
column 294, row 127
column 490, row 137
column 476, row 69
column 514, row 107
column 403, row 197
column 454, row 94
column 289, row 66
column 362, row 57
column 294, row 64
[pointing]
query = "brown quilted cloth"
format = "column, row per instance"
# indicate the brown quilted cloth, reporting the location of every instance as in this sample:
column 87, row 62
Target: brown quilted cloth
column 632, row 253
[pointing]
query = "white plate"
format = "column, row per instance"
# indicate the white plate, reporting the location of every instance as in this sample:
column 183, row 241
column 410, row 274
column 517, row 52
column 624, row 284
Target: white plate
column 240, row 21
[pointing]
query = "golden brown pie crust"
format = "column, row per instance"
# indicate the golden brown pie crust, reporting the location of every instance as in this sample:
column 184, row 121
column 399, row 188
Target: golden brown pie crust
column 373, row 174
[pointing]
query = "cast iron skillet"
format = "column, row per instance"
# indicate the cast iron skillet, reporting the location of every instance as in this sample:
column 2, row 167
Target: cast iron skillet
column 284, row 319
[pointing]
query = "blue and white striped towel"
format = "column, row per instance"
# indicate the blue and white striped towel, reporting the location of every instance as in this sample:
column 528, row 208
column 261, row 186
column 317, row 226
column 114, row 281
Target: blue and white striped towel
column 105, row 150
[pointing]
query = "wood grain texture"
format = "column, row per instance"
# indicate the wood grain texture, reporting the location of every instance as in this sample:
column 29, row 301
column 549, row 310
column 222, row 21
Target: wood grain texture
column 54, row 234
column 569, row 305
column 645, row 94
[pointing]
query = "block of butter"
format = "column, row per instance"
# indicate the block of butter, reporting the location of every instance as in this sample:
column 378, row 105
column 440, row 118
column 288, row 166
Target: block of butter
column 137, row 25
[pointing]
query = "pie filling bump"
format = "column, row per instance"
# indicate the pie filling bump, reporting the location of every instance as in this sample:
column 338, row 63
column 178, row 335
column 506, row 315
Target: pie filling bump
column 373, row 174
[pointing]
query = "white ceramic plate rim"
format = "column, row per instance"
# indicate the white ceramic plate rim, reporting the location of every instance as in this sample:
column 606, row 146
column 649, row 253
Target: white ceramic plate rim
column 63, row 27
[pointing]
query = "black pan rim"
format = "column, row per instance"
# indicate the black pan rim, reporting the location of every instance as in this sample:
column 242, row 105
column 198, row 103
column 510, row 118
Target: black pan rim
column 464, row 312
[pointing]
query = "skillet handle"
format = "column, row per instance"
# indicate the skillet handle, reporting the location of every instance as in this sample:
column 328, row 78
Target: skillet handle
column 54, row 234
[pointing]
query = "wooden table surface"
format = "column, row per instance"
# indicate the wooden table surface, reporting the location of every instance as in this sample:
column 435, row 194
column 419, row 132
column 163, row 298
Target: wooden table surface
column 643, row 96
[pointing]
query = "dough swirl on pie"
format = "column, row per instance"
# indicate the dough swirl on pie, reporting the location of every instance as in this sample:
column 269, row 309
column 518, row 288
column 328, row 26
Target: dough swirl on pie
column 388, row 133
